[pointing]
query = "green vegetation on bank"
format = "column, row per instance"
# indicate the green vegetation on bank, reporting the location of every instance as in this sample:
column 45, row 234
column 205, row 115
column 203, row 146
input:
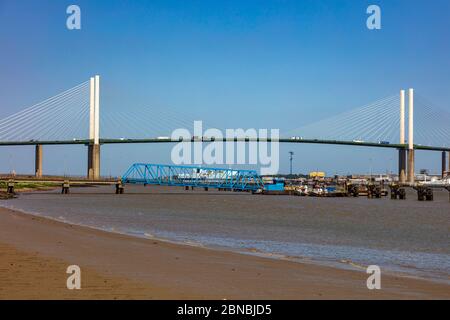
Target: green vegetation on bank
column 29, row 185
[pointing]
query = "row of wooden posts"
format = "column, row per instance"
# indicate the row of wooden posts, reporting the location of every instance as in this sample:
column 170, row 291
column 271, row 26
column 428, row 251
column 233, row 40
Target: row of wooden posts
column 424, row 193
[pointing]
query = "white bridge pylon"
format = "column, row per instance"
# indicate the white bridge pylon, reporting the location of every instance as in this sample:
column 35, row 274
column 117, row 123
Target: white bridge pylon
column 94, row 128
column 94, row 109
column 406, row 172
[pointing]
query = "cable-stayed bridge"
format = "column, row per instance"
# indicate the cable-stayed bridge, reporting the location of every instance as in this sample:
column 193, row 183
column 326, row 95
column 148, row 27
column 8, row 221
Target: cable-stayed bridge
column 404, row 121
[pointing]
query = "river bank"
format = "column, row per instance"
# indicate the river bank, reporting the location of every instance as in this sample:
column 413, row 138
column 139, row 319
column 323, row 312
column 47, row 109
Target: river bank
column 36, row 252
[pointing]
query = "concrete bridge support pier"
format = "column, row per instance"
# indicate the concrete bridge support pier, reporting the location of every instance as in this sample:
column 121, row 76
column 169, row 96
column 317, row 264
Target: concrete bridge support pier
column 411, row 178
column 93, row 161
column 448, row 166
column 38, row 161
column 402, row 165
column 444, row 163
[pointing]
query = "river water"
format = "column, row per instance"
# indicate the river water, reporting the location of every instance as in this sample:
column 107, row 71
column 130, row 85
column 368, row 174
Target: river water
column 399, row 236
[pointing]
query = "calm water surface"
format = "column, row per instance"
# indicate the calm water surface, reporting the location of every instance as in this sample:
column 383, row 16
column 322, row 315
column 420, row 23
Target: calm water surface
column 400, row 236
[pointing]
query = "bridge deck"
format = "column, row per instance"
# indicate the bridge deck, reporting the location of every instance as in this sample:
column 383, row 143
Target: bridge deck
column 281, row 140
column 75, row 181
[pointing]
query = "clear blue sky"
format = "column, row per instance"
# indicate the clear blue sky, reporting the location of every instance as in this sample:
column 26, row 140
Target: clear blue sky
column 262, row 64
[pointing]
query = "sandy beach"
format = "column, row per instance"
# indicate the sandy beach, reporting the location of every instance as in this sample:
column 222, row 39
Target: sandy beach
column 35, row 252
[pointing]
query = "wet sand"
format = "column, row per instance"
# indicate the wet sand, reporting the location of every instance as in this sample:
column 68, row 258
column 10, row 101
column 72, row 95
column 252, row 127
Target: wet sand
column 35, row 252
column 400, row 236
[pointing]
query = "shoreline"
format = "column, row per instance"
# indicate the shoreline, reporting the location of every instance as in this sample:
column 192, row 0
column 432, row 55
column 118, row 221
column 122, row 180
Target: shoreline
column 127, row 267
column 344, row 264
column 337, row 264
